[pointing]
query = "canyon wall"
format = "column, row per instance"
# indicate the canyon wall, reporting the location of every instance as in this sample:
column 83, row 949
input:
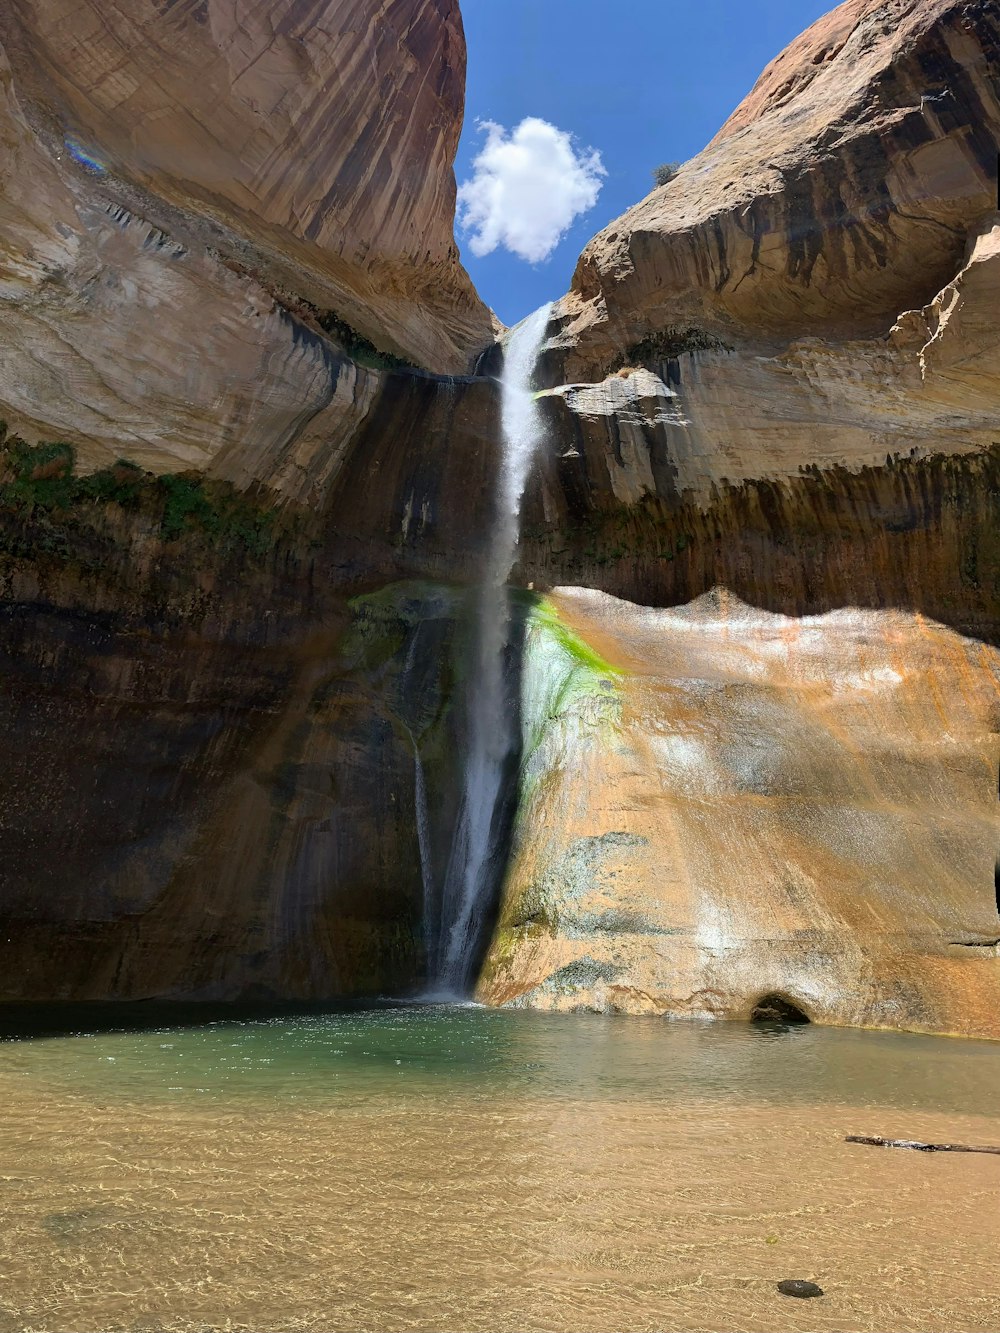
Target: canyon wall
column 211, row 710
column 759, row 698
column 202, row 205
column 773, row 406
column 230, row 291
column 839, row 193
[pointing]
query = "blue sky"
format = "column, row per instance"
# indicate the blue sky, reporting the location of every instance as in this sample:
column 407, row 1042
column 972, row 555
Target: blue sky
column 640, row 81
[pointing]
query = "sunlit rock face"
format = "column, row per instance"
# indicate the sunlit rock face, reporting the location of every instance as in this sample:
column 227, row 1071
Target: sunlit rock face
column 722, row 804
column 779, row 419
column 839, row 193
column 803, row 459
column 699, row 420
column 184, row 187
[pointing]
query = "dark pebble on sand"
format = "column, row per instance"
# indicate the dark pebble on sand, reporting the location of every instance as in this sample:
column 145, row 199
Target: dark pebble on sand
column 795, row 1286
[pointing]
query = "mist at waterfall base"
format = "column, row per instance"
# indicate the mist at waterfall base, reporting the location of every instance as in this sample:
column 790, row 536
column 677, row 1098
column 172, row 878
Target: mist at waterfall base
column 454, row 933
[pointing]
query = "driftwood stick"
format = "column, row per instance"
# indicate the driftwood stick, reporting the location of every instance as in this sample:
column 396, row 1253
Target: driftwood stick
column 917, row 1145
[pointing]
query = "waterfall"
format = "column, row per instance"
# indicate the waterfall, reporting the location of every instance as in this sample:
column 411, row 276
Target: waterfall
column 423, row 828
column 420, row 794
column 468, row 880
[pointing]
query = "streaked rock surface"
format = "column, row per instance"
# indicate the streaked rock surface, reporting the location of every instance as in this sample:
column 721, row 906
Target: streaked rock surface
column 782, row 380
column 721, row 804
column 212, row 723
column 786, row 784
column 691, row 423
column 228, row 774
column 185, row 186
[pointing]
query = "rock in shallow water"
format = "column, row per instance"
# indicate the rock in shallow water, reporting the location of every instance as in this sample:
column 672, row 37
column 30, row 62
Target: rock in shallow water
column 796, row 1286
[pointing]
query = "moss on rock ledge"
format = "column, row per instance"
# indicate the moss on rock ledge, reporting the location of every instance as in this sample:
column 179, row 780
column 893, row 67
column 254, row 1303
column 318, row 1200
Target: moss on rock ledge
column 40, row 492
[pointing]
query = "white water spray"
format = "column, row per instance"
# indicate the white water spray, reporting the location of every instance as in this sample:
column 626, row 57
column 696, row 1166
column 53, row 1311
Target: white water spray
column 490, row 717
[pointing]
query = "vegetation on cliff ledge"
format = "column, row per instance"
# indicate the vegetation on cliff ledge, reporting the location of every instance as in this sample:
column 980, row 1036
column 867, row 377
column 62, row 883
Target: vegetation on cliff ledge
column 358, row 347
column 44, row 503
column 665, row 172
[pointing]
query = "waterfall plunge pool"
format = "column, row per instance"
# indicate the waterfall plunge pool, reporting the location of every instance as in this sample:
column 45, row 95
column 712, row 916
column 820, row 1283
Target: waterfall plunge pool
column 465, row 1168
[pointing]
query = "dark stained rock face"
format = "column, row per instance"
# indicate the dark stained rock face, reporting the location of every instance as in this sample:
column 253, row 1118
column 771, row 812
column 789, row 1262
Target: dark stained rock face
column 212, row 716
column 208, row 802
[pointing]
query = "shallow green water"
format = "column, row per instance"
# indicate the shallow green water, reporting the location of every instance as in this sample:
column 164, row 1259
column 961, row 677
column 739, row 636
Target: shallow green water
column 479, row 1052
column 474, row 1169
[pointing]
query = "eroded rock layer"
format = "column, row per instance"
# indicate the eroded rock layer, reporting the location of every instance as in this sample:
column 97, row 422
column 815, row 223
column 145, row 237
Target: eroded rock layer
column 689, row 421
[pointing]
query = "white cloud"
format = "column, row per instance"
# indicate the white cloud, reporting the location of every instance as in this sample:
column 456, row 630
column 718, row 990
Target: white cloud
column 527, row 186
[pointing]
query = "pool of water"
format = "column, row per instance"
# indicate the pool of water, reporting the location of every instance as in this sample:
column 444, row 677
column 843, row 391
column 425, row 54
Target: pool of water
column 462, row 1168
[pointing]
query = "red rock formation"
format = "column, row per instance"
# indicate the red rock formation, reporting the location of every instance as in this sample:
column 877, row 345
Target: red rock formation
column 721, row 804
column 841, row 192
column 312, row 140
column 795, row 352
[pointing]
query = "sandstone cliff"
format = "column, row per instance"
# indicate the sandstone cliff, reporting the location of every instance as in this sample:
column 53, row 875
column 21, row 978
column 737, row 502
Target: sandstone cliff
column 840, row 193
column 796, row 475
column 721, row 805
column 234, row 697
column 780, row 418
column 186, row 190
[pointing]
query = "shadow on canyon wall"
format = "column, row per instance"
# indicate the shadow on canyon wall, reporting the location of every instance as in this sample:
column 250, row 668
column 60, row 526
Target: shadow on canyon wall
column 917, row 534
column 210, row 788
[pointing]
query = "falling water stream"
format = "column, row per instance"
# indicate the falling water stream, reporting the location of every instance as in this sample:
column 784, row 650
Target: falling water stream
column 420, row 797
column 423, row 826
column 490, row 732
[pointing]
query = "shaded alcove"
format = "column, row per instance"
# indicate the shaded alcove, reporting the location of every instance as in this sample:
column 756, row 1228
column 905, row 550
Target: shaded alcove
column 776, row 1008
column 916, row 534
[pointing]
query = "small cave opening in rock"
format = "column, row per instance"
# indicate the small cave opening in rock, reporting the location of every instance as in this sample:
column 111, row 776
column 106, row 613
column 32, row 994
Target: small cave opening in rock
column 996, row 884
column 776, row 1009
